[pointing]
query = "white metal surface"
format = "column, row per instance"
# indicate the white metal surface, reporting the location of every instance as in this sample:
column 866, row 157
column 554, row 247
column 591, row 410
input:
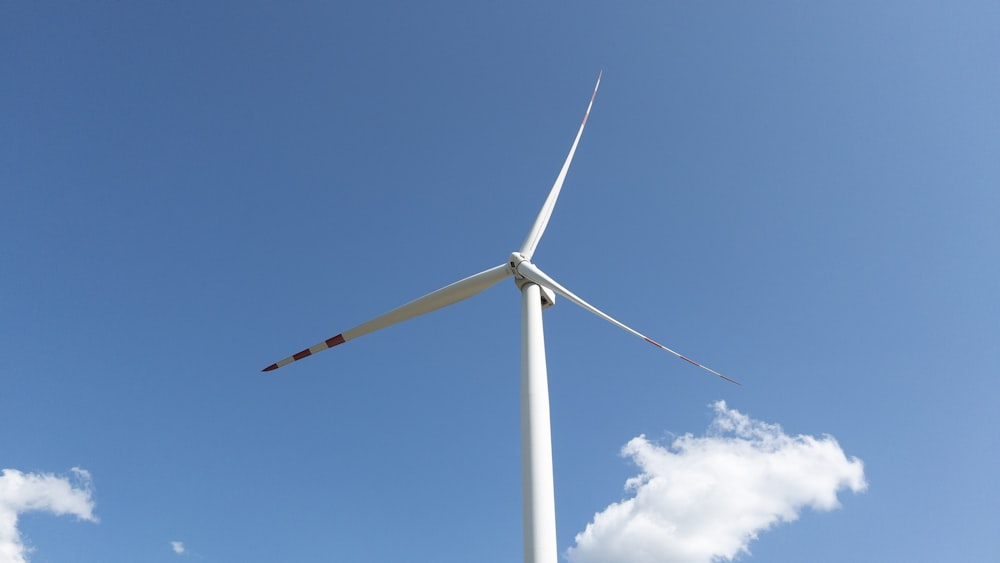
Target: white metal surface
column 462, row 289
column 450, row 294
column 531, row 272
column 537, row 484
column 538, row 228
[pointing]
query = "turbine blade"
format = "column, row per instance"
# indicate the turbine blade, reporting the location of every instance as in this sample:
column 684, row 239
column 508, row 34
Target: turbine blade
column 535, row 235
column 532, row 273
column 433, row 301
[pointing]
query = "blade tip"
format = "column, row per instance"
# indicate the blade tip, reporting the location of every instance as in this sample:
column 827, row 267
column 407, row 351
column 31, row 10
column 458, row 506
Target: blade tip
column 271, row 367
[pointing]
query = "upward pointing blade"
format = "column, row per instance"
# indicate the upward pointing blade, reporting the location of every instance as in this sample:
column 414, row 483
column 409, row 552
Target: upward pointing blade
column 535, row 235
column 532, row 273
column 462, row 289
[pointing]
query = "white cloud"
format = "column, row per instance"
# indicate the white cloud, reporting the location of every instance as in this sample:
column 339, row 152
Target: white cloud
column 26, row 492
column 177, row 546
column 704, row 499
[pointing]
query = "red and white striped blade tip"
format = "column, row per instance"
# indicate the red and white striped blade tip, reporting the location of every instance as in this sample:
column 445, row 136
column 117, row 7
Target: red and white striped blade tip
column 325, row 345
column 690, row 361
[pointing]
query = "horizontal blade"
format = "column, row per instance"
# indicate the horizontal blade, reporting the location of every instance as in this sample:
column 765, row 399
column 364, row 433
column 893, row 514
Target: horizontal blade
column 535, row 235
column 443, row 297
column 532, row 273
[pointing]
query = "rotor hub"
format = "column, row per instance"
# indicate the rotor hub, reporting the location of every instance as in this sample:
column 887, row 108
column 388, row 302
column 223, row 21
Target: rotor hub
column 548, row 297
column 514, row 261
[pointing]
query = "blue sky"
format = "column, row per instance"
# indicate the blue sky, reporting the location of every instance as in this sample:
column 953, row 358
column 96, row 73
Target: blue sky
column 801, row 196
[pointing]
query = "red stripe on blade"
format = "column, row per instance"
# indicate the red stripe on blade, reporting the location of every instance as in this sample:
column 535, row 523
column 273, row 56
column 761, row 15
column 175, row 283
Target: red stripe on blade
column 690, row 361
column 303, row 354
column 331, row 342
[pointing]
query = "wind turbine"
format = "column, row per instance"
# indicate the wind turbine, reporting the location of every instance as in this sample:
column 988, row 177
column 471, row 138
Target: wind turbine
column 538, row 291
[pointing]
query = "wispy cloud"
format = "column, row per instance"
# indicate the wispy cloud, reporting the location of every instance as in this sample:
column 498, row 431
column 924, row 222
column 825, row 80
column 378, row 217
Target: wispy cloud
column 26, row 492
column 177, row 546
column 704, row 499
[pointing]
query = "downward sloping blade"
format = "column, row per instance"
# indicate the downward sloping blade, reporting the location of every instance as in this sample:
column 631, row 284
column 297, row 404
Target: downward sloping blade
column 532, row 273
column 535, row 235
column 443, row 297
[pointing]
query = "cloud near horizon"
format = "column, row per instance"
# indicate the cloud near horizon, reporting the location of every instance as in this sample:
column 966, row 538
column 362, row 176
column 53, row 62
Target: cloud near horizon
column 43, row 492
column 704, row 499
